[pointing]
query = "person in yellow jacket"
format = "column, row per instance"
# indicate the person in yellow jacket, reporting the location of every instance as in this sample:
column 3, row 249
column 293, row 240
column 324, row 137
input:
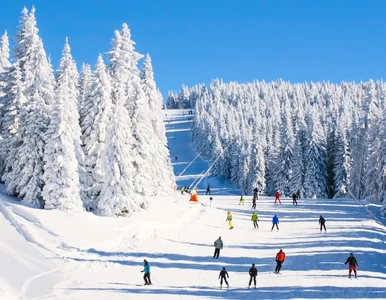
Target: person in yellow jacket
column 241, row 200
column 255, row 218
column 229, row 219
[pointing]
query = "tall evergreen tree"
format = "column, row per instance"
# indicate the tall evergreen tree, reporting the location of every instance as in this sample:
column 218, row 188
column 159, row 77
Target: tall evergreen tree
column 84, row 91
column 12, row 100
column 95, row 126
column 62, row 152
column 117, row 193
column 136, row 105
column 160, row 156
column 284, row 159
column 25, row 177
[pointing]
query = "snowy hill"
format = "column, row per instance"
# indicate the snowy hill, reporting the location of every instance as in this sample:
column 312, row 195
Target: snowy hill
column 76, row 255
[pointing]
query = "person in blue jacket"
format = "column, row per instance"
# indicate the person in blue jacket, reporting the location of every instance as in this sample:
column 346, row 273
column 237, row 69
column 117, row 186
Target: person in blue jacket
column 275, row 221
column 146, row 269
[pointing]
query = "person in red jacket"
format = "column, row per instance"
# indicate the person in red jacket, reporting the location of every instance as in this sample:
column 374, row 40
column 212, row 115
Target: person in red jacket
column 277, row 197
column 280, row 257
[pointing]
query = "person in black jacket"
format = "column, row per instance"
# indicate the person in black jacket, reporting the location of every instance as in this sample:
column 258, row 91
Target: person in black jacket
column 223, row 275
column 322, row 222
column 352, row 265
column 294, row 199
column 252, row 274
column 207, row 190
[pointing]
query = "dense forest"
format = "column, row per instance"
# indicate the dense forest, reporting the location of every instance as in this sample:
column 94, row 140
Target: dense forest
column 328, row 140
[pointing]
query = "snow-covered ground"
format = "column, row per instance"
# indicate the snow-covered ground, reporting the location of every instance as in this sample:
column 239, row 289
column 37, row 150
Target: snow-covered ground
column 76, row 255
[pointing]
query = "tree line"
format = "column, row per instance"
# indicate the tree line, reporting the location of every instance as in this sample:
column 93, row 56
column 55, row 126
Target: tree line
column 95, row 140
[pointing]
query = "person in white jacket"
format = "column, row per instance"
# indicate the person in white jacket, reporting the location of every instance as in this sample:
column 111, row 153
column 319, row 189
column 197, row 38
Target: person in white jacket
column 218, row 245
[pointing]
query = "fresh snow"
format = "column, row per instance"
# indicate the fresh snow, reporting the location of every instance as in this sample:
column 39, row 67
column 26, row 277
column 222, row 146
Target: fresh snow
column 52, row 254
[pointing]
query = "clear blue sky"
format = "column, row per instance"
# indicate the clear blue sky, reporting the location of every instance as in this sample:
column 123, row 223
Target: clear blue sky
column 193, row 41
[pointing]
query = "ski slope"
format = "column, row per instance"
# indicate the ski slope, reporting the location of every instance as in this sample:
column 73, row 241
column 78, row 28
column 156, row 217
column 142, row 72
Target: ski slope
column 76, row 255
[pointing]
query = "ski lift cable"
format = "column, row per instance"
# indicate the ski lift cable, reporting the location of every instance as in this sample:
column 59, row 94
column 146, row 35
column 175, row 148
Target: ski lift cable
column 189, row 164
column 369, row 211
column 192, row 184
column 211, row 166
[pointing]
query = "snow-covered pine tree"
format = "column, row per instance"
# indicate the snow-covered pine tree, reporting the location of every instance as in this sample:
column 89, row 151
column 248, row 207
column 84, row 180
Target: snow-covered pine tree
column 4, row 60
column 136, row 105
column 164, row 178
column 117, row 193
column 4, row 73
column 61, row 169
column 359, row 146
column 84, row 90
column 12, row 100
column 183, row 98
column 315, row 159
column 342, row 160
column 374, row 115
column 171, row 101
column 283, row 164
column 24, row 177
column 95, row 126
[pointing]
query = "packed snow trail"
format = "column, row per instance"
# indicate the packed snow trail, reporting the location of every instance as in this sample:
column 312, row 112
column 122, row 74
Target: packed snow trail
column 182, row 153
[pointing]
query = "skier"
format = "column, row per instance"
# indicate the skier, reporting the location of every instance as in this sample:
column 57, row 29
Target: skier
column 277, row 197
column 241, row 200
column 223, row 275
column 207, row 190
column 176, row 158
column 252, row 274
column 275, row 221
column 255, row 218
column 218, row 245
column 229, row 219
column 146, row 269
column 322, row 222
column 255, row 193
column 182, row 190
column 352, row 265
column 280, row 257
column 294, row 199
column 298, row 194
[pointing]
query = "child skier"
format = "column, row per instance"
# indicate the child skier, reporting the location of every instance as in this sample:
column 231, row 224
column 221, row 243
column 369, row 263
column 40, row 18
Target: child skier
column 252, row 274
column 280, row 257
column 255, row 218
column 277, row 197
column 275, row 222
column 223, row 276
column 322, row 222
column 229, row 219
column 241, row 200
column 352, row 265
column 146, row 269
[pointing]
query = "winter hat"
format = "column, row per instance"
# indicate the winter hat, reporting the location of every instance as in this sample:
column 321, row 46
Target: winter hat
column 223, row 268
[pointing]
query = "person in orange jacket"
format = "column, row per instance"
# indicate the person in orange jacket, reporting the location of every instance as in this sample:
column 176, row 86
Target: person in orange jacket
column 280, row 257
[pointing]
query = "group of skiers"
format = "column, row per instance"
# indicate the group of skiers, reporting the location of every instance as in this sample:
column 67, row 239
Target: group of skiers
column 295, row 197
column 280, row 256
column 223, row 276
column 275, row 221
